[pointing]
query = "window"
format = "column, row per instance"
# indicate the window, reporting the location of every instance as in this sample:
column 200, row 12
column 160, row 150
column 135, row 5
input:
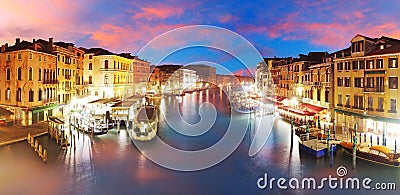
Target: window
column 347, row 101
column 8, row 57
column 40, row 57
column 393, row 82
column 44, row 58
column 370, row 64
column 30, row 95
column 361, row 65
column 355, row 65
column 8, row 94
column 340, row 66
column 40, row 95
column 379, row 63
column 19, row 95
column 106, row 64
column 30, row 73
column 340, row 100
column 114, row 64
column 380, row 84
column 339, row 81
column 358, row 82
column 347, row 66
column 393, row 63
column 40, row 74
column 90, row 57
column 370, row 103
column 8, row 73
column 370, row 82
column 392, row 106
column 19, row 56
column 90, row 79
column 357, row 46
column 30, row 56
column 63, row 59
column 380, row 105
column 347, row 82
column 90, row 66
column 106, row 79
column 358, row 102
column 19, row 73
column 327, row 96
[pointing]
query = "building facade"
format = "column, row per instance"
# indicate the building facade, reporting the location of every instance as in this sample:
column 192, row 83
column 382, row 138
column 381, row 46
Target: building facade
column 29, row 87
column 366, row 85
column 107, row 74
column 205, row 73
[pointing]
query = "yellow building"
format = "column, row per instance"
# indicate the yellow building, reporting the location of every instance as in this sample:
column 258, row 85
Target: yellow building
column 67, row 69
column 108, row 74
column 29, row 87
column 366, row 85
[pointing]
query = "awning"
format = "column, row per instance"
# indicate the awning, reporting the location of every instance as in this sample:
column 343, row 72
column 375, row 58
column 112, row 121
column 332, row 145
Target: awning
column 311, row 108
column 43, row 108
column 297, row 111
column 5, row 112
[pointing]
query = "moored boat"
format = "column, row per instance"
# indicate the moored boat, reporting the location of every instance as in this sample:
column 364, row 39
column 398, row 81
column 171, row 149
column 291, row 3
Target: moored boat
column 314, row 147
column 145, row 123
column 377, row 154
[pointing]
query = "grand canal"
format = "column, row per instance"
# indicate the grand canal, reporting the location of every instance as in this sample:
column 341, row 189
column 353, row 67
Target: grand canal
column 111, row 163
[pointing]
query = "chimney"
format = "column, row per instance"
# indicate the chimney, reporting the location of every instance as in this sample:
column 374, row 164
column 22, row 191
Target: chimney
column 51, row 44
column 3, row 49
column 33, row 41
column 17, row 41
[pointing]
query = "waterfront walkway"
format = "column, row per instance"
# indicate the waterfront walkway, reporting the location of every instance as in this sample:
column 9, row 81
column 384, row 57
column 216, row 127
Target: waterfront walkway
column 13, row 134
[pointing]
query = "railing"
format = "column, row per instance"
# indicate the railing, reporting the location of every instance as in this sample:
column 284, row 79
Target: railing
column 50, row 82
column 374, row 89
column 317, row 83
column 49, row 100
column 326, row 84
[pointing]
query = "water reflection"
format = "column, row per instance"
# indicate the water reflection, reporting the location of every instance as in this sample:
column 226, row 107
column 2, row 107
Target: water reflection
column 111, row 164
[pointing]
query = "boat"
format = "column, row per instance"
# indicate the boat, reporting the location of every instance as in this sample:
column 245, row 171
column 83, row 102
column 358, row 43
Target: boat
column 376, row 154
column 145, row 123
column 303, row 130
column 314, row 147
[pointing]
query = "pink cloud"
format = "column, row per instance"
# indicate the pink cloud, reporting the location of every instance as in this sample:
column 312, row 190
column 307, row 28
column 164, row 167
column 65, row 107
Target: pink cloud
column 159, row 11
column 227, row 18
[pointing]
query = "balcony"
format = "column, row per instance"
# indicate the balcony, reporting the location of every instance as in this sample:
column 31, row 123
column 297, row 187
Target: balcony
column 307, row 82
column 317, row 83
column 392, row 111
column 374, row 89
column 49, row 100
column 50, row 82
column 327, row 84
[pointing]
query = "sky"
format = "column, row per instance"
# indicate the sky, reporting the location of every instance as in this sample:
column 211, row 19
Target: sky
column 275, row 28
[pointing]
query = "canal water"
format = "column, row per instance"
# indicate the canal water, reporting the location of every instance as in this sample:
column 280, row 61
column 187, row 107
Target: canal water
column 111, row 163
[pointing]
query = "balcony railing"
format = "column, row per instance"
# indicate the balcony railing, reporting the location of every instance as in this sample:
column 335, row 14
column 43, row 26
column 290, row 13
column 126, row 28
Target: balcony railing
column 374, row 89
column 49, row 100
column 317, row 83
column 326, row 84
column 50, row 82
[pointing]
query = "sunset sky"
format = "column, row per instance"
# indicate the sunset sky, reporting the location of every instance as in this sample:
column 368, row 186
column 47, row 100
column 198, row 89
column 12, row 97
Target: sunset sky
column 275, row 28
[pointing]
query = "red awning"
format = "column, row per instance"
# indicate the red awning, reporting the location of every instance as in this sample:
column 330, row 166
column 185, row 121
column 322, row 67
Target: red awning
column 297, row 111
column 311, row 108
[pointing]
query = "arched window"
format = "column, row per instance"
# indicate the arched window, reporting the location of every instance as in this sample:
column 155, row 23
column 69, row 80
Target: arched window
column 115, row 79
column 19, row 95
column 40, row 74
column 90, row 66
column 40, row 95
column 106, row 64
column 8, row 94
column 114, row 64
column 19, row 73
column 30, row 73
column 118, row 79
column 31, row 95
column 8, row 74
column 90, row 79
